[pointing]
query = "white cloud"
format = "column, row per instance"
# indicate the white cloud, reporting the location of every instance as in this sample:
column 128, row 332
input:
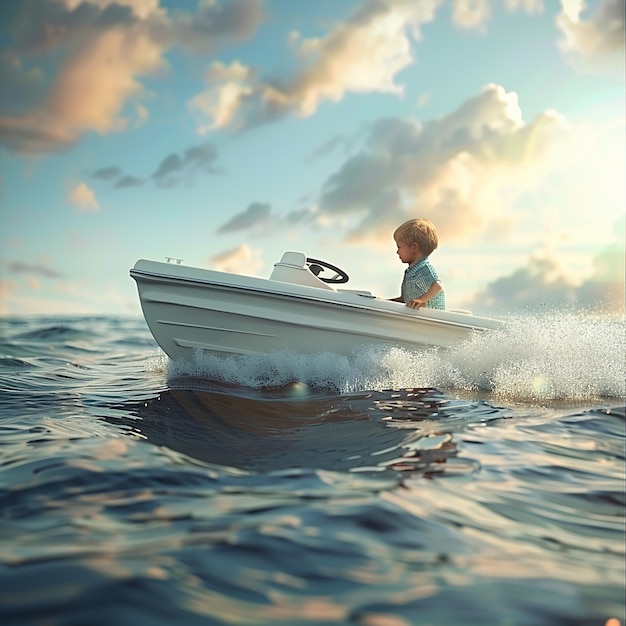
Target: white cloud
column 462, row 170
column 545, row 283
column 239, row 260
column 530, row 6
column 548, row 279
column 141, row 114
column 94, row 84
column 83, row 198
column 593, row 42
column 365, row 54
column 362, row 55
column 100, row 51
column 96, row 76
column 470, row 13
column 221, row 104
column 474, row 14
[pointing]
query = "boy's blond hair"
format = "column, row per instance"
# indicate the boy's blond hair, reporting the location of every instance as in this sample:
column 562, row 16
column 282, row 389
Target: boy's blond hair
column 419, row 231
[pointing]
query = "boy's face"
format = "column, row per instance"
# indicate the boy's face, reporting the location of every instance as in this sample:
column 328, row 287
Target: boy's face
column 408, row 252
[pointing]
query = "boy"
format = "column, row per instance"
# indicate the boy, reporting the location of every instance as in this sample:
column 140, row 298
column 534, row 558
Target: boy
column 416, row 239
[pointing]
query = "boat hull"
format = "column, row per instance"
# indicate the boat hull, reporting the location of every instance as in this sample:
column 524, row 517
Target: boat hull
column 190, row 309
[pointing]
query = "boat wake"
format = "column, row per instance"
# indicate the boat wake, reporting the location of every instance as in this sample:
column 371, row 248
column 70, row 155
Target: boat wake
column 563, row 358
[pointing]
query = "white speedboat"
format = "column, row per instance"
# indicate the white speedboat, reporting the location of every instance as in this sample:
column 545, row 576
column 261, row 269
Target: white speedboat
column 299, row 308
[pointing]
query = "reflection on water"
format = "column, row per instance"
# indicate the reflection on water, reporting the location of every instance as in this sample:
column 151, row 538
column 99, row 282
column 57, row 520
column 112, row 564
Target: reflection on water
column 274, row 430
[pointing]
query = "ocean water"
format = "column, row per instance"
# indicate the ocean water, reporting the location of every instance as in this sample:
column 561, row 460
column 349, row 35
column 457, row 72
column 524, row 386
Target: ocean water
column 481, row 485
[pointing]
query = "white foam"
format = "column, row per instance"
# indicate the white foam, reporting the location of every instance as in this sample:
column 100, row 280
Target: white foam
column 531, row 358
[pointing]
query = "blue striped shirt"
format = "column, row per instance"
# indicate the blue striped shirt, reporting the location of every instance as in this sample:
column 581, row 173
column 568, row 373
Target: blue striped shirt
column 418, row 280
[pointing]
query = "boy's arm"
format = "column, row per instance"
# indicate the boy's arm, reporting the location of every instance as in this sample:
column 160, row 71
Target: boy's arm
column 416, row 303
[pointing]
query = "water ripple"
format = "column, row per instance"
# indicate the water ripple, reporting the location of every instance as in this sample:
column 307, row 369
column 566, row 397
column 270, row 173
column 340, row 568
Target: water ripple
column 457, row 488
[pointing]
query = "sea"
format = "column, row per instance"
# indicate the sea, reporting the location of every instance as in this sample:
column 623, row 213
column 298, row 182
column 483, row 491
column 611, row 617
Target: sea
column 477, row 485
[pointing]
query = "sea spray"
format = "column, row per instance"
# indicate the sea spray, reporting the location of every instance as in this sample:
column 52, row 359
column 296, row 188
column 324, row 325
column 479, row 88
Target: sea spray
column 553, row 357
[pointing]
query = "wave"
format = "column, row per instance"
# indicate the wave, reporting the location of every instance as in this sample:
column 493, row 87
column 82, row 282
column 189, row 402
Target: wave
column 532, row 359
column 51, row 333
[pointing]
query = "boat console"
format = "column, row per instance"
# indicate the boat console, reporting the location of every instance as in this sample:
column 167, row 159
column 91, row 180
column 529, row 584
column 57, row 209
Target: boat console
column 293, row 268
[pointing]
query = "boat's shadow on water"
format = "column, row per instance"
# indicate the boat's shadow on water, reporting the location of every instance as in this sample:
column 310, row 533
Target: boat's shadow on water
column 268, row 430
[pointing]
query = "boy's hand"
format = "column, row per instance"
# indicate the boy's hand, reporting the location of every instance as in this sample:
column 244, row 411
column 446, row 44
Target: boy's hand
column 416, row 303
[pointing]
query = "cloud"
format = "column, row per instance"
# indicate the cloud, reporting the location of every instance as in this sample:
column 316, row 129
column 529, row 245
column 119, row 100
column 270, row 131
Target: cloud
column 458, row 170
column 83, row 198
column 336, row 142
column 7, row 289
column 200, row 157
column 539, row 284
column 171, row 164
column 25, row 84
column 41, row 270
column 474, row 14
column 107, row 173
column 220, row 105
column 239, row 260
column 257, row 215
column 588, row 41
column 544, row 283
column 97, row 53
column 605, row 288
column 171, row 171
column 530, row 6
column 215, row 23
column 128, row 181
column 301, row 216
column 141, row 114
column 88, row 93
column 259, row 218
column 361, row 55
column 33, row 135
column 470, row 13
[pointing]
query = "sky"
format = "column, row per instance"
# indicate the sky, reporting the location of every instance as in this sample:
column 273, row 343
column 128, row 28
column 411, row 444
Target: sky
column 224, row 133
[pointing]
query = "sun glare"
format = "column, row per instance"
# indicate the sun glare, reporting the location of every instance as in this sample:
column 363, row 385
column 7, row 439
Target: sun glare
column 594, row 165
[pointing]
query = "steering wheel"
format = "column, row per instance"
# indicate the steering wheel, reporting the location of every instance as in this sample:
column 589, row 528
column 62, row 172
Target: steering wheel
column 316, row 266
